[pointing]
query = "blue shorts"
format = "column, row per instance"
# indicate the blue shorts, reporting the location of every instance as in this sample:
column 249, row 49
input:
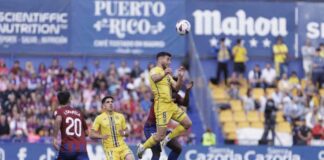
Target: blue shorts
column 72, row 156
column 149, row 130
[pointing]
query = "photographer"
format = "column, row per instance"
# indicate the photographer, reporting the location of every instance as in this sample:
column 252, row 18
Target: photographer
column 270, row 121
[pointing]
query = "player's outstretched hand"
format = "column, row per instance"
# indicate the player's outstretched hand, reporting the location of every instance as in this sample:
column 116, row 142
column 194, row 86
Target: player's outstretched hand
column 189, row 85
column 168, row 71
column 56, row 144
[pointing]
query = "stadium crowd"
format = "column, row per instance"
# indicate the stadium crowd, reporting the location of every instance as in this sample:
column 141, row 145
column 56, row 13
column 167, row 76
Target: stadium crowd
column 28, row 97
column 299, row 99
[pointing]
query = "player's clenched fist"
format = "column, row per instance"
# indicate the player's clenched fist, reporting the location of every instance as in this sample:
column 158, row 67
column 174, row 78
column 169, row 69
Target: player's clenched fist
column 168, row 71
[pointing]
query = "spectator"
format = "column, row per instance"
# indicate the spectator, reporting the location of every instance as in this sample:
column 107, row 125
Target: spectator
column 318, row 69
column 16, row 70
column 303, row 134
column 312, row 117
column 4, row 127
column 223, row 57
column 136, row 70
column 29, row 68
column 234, row 89
column 294, row 80
column 55, row 68
column 307, row 52
column 283, row 84
column 255, row 77
column 318, row 130
column 269, row 76
column 100, row 80
column 277, row 96
column 146, row 102
column 280, row 51
column 240, row 57
column 112, row 68
column 321, row 46
column 97, row 68
column 70, row 68
column 3, row 68
column 123, row 70
column 248, row 101
column 208, row 138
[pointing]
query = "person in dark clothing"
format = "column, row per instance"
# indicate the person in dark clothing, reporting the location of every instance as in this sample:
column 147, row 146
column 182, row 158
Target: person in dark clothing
column 270, row 121
column 302, row 134
column 318, row 69
column 136, row 70
column 4, row 126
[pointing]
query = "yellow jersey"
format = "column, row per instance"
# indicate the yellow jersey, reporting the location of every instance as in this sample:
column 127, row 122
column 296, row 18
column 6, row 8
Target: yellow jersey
column 293, row 80
column 161, row 90
column 110, row 124
column 279, row 48
column 240, row 54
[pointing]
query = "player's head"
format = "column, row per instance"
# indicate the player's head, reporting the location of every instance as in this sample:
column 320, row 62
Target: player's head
column 164, row 59
column 63, row 97
column 107, row 103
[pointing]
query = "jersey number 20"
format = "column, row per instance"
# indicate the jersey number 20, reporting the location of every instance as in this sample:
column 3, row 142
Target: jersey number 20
column 74, row 127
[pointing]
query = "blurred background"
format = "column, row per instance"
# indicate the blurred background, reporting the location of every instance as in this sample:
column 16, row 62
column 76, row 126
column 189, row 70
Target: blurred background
column 258, row 68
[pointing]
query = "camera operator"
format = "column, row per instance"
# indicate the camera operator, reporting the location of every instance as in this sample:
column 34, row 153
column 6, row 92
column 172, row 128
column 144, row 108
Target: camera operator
column 270, row 121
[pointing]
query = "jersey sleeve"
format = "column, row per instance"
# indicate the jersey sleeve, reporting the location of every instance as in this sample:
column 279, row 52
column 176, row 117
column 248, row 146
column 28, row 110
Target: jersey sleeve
column 123, row 122
column 96, row 124
column 156, row 70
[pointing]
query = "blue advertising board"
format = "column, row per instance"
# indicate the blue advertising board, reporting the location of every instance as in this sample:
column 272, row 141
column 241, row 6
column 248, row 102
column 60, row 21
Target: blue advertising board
column 258, row 24
column 310, row 23
column 34, row 25
column 21, row 151
column 91, row 26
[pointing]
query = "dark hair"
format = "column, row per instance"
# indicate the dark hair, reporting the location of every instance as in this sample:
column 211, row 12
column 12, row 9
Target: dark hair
column 321, row 44
column 63, row 97
column 222, row 39
column 238, row 41
column 318, row 49
column 162, row 54
column 17, row 61
column 105, row 98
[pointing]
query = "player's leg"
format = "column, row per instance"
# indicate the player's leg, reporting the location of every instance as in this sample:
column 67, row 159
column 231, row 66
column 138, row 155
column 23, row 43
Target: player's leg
column 163, row 116
column 150, row 130
column 125, row 153
column 185, row 123
column 176, row 149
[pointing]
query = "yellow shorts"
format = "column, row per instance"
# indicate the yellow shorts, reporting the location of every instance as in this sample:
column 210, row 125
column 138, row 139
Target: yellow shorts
column 118, row 153
column 165, row 111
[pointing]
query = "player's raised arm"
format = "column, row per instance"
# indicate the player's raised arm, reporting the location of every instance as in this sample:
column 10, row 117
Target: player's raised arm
column 57, row 126
column 157, row 75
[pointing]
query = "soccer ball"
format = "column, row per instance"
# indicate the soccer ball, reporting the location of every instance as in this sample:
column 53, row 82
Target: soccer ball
column 183, row 27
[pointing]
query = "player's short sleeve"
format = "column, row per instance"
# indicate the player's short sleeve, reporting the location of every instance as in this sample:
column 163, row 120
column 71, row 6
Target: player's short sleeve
column 96, row 124
column 123, row 122
column 156, row 70
column 285, row 48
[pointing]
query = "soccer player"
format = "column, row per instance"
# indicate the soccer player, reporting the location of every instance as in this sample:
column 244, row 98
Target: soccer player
column 110, row 126
column 73, row 129
column 165, row 109
column 150, row 127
